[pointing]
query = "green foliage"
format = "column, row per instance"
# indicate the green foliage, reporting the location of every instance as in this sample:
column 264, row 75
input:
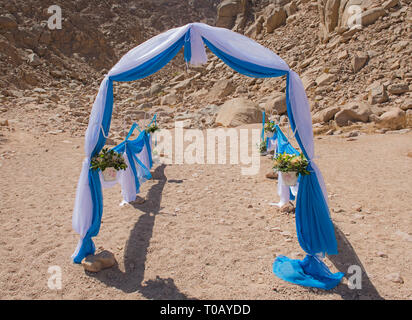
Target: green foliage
column 262, row 146
column 270, row 127
column 289, row 162
column 153, row 127
column 108, row 158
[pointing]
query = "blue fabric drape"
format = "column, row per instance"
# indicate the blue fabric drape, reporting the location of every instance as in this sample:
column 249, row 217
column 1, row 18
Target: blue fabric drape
column 144, row 70
column 244, row 67
column 132, row 148
column 309, row 272
column 262, row 134
column 314, row 228
column 283, row 145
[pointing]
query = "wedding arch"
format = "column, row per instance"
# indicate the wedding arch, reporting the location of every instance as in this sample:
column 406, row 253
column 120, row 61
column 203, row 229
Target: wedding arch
column 314, row 227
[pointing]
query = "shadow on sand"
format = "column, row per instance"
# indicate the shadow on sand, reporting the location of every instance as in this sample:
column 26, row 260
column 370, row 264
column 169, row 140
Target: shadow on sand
column 136, row 252
column 138, row 243
column 342, row 261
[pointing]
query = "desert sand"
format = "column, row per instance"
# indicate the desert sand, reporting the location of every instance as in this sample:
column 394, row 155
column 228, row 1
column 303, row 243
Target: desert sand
column 204, row 231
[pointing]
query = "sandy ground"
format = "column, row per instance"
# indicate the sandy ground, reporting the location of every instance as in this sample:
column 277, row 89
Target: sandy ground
column 205, row 231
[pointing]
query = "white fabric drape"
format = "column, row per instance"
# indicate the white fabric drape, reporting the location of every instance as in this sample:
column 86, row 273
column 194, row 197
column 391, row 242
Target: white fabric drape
column 303, row 122
column 238, row 46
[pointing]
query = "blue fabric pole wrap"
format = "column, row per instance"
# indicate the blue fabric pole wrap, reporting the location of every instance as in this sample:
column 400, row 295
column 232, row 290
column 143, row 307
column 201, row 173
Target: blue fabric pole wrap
column 262, row 135
column 142, row 71
column 315, row 231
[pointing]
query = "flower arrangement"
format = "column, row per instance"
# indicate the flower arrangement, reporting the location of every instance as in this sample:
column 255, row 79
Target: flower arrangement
column 108, row 159
column 152, row 128
column 285, row 162
column 270, row 127
column 262, row 146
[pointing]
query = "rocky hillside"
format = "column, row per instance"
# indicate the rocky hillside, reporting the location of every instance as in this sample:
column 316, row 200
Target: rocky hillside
column 354, row 57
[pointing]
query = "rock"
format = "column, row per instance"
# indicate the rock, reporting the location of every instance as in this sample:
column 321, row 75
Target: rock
column 155, row 89
column 351, row 134
column 406, row 105
column 8, row 22
column 377, row 94
column 326, row 78
column 329, row 14
column 370, row 16
column 394, row 277
column 409, row 118
column 296, row 255
column 325, row 115
column 290, row 8
column 359, row 61
column 272, row 174
column 308, row 82
column 343, row 54
column 255, row 28
column 394, row 119
column 381, row 254
column 353, row 112
column 286, row 234
column 275, row 19
column 238, row 111
column 98, row 262
column 276, row 103
column 390, row 4
column 183, row 85
column 227, row 12
column 34, row 60
column 398, row 88
column 4, row 123
column 169, row 99
column 221, row 89
column 287, row 208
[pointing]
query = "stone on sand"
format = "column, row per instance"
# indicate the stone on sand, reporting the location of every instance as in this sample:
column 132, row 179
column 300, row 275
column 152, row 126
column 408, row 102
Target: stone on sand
column 98, row 262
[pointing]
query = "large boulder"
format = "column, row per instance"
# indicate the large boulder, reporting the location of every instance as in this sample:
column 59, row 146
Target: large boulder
column 325, row 115
column 353, row 112
column 393, row 119
column 238, row 111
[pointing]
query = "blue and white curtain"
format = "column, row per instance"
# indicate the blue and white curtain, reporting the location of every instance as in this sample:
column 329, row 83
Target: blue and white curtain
column 314, row 226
